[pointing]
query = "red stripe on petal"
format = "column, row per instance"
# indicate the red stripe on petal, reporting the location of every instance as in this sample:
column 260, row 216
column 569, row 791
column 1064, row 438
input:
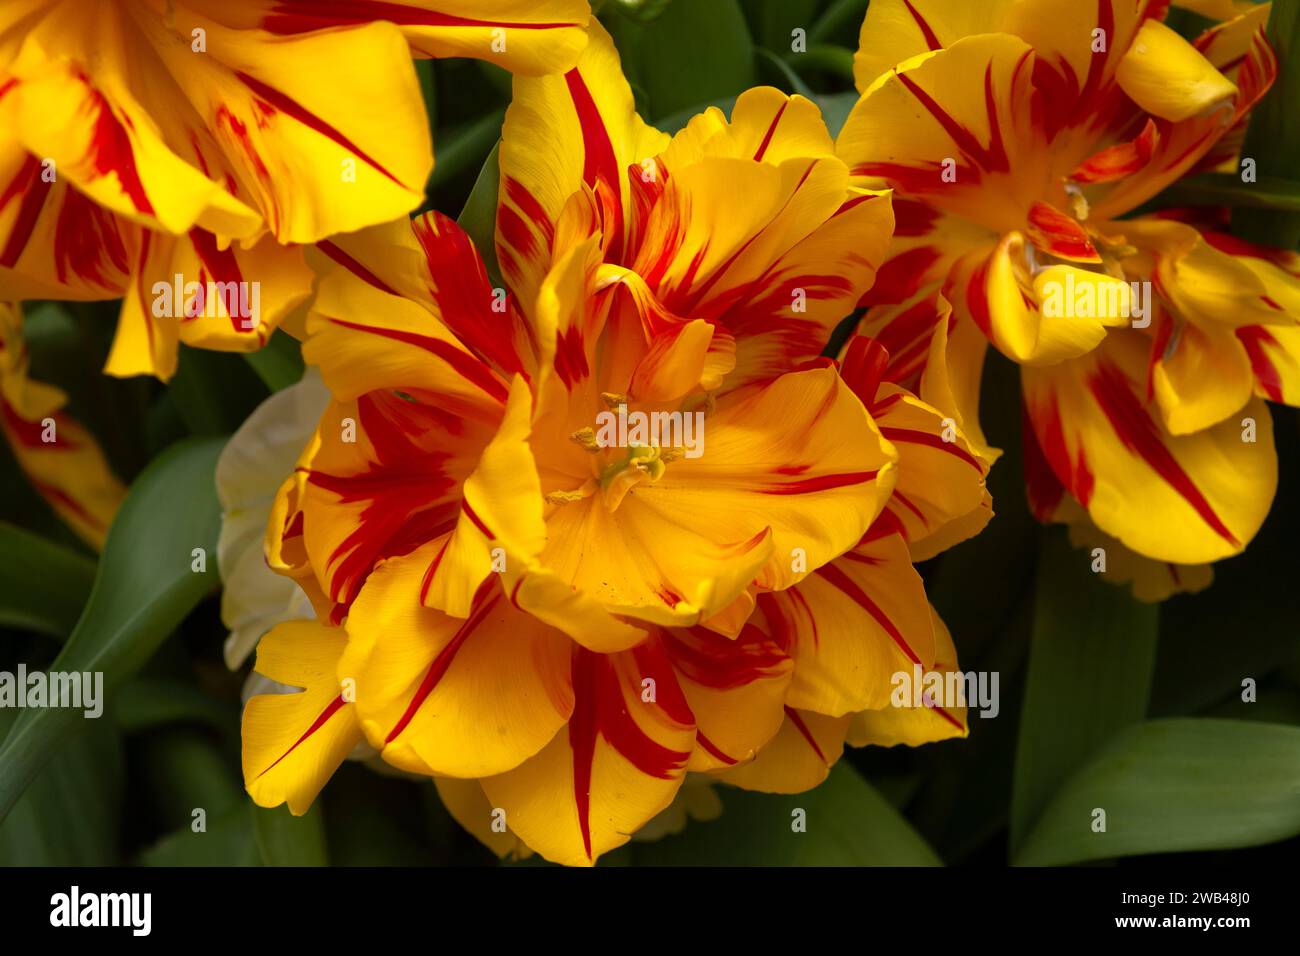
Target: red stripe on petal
column 847, row 586
column 712, row 749
column 807, row 734
column 916, row 437
column 599, row 163
column 464, row 364
column 334, row 707
column 291, row 107
column 353, row 266
column 931, row 40
column 1138, row 433
column 820, row 483
column 771, row 131
column 27, row 184
column 304, row 16
column 438, row 669
column 1255, row 338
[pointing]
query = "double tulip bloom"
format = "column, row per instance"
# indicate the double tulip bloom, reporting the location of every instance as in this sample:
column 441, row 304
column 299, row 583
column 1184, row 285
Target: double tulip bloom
column 558, row 628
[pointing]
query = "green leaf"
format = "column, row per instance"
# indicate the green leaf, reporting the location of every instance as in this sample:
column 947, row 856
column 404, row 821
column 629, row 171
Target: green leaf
column 143, row 589
column 479, row 216
column 286, row 840
column 848, row 824
column 1227, row 189
column 694, row 52
column 1175, row 785
column 1090, row 664
column 184, row 770
column 43, row 585
column 70, row 814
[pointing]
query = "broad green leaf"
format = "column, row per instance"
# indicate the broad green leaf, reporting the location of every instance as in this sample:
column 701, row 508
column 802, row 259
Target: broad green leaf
column 286, row 840
column 70, row 815
column 479, row 216
column 782, row 74
column 848, row 824
column 1275, row 703
column 694, row 52
column 836, row 61
column 1175, row 785
column 1090, row 663
column 144, row 588
column 641, row 11
column 43, row 585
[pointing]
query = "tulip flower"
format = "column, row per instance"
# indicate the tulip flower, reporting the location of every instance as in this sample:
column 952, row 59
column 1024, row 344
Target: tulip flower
column 175, row 155
column 60, row 458
column 1017, row 137
column 553, row 614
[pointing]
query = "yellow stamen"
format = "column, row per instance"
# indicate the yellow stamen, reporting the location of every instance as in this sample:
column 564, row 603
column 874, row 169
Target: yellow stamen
column 586, row 437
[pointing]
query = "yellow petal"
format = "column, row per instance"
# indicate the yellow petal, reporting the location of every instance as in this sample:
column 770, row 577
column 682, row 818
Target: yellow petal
column 852, row 625
column 562, row 132
column 735, row 687
column 798, row 758
column 1167, row 77
column 618, row 764
column 537, row 36
column 934, row 720
column 450, row 697
column 1186, row 499
column 61, row 459
column 293, row 742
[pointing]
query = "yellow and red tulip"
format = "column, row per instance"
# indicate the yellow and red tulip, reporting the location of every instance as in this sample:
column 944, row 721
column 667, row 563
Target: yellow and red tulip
column 60, row 458
column 558, row 630
column 143, row 140
column 1015, row 136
